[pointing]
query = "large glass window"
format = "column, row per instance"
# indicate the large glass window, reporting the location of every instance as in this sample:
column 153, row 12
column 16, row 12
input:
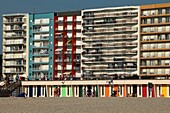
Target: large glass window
column 159, row 11
column 144, row 21
column 152, row 29
column 152, row 20
column 167, row 36
column 167, row 19
column 159, row 62
column 140, row 90
column 152, row 62
column 167, row 10
column 159, row 20
column 159, row 37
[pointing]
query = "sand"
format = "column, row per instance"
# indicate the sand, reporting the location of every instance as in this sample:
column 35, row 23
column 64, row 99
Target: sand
column 84, row 105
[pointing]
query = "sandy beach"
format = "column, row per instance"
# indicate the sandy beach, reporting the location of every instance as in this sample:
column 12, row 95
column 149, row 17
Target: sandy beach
column 84, row 105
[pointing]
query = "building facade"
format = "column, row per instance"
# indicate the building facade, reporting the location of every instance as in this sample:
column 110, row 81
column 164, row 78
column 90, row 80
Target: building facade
column 110, row 42
column 14, row 45
column 67, row 45
column 155, row 41
column 41, row 46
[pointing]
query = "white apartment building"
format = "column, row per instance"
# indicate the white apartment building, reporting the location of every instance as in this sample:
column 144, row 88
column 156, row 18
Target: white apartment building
column 14, row 45
column 110, row 42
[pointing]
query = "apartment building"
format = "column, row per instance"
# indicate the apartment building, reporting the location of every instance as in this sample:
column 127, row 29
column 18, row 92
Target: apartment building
column 67, row 45
column 155, row 41
column 14, row 45
column 110, row 42
column 40, row 45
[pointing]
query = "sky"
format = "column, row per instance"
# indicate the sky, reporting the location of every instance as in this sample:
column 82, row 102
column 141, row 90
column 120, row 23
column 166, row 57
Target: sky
column 39, row 6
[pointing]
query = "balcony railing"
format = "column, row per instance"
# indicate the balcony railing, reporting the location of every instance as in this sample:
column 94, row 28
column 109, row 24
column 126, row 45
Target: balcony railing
column 15, row 21
column 14, row 29
column 14, row 42
column 14, row 36
column 113, row 14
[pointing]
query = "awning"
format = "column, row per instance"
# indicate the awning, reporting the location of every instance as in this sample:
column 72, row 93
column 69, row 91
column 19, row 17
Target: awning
column 24, row 75
column 66, row 73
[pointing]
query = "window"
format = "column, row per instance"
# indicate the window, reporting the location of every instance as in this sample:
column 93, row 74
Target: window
column 159, row 11
column 159, row 54
column 76, row 90
column 144, row 21
column 159, row 45
column 159, row 20
column 151, row 29
column 151, row 54
column 68, row 90
column 166, row 54
column 144, row 30
column 152, row 37
column 102, row 90
column 166, row 62
column 152, row 62
column 152, row 12
column 166, row 71
column 140, row 91
column 34, row 90
column 159, row 90
column 167, row 36
column 159, row 62
column 167, row 10
column 120, row 89
column 167, row 19
column 143, row 63
column 167, row 28
column 159, row 37
column 152, row 20
column 169, row 90
column 159, row 29
column 151, row 71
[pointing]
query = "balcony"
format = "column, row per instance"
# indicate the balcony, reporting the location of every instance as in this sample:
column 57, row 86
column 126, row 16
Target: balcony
column 41, row 23
column 40, row 31
column 15, row 29
column 14, row 65
column 155, row 24
column 154, row 15
column 112, row 31
column 39, row 54
column 76, row 68
column 111, row 23
column 41, row 39
column 14, row 57
column 111, row 60
column 58, row 60
column 40, row 62
column 115, row 14
column 154, row 57
column 76, row 60
column 154, row 40
column 14, row 51
column 111, row 68
column 114, row 45
column 155, row 66
column 155, row 75
column 110, row 38
column 155, row 49
column 13, row 36
column 154, row 32
column 45, row 46
column 15, row 43
column 68, row 60
column 14, row 71
column 40, row 69
column 14, row 22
